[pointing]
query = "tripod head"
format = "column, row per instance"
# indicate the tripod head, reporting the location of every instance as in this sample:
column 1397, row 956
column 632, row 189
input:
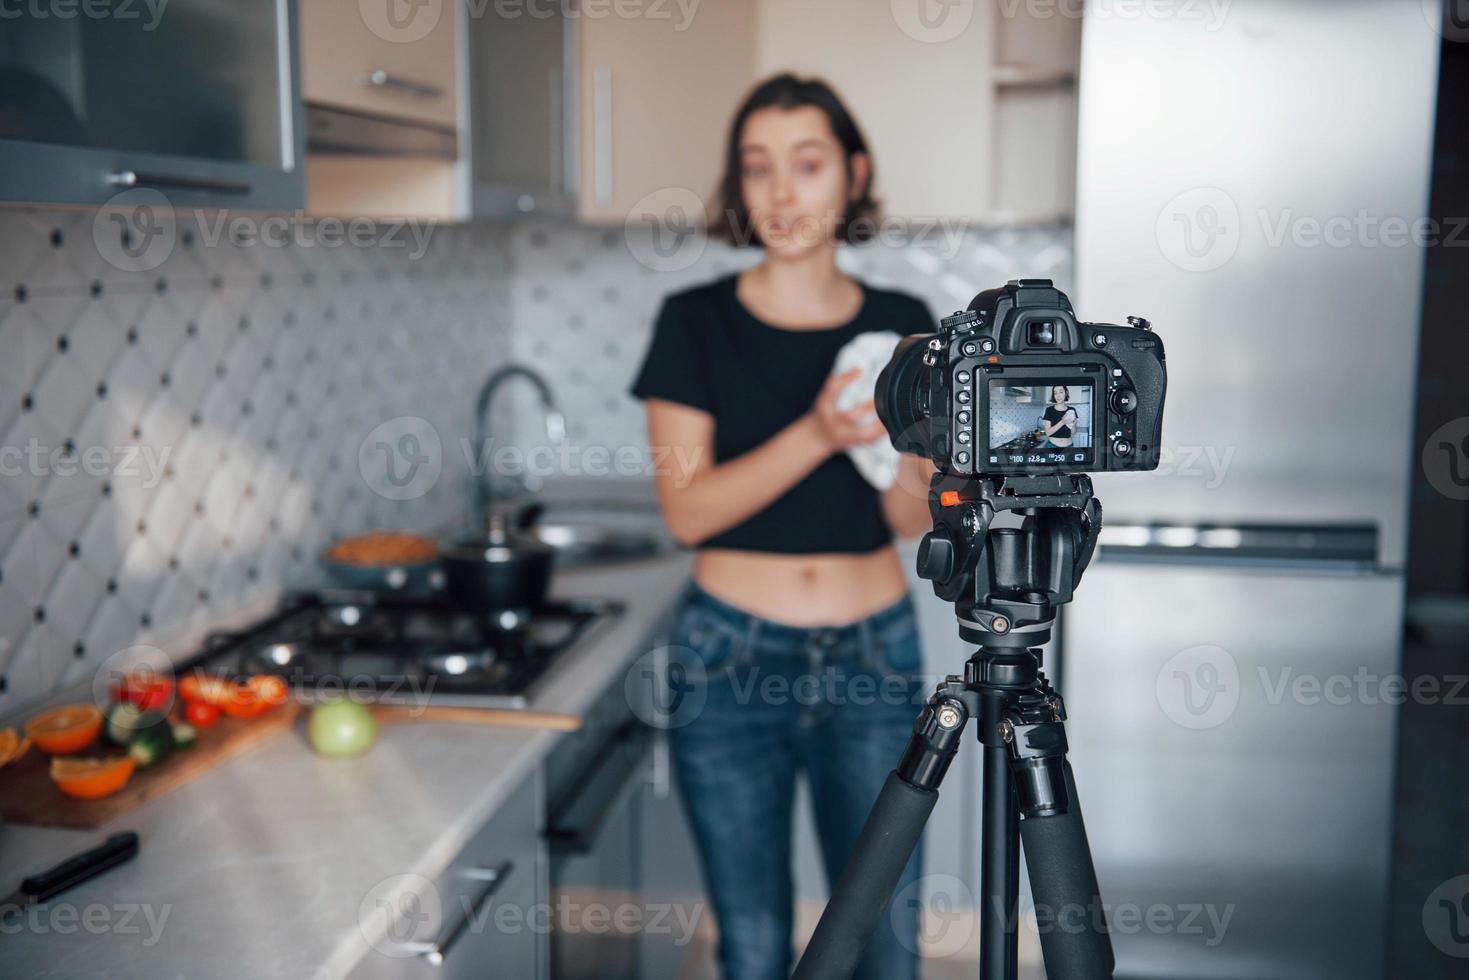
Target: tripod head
column 1006, row 583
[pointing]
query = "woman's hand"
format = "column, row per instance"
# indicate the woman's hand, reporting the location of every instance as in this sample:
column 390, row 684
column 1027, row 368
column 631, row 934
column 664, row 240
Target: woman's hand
column 840, row 429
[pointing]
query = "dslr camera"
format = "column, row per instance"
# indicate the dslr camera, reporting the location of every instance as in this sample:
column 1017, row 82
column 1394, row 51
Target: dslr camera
column 1017, row 385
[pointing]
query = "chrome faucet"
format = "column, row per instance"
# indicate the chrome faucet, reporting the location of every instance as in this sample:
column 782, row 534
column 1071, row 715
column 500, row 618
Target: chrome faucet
column 554, row 421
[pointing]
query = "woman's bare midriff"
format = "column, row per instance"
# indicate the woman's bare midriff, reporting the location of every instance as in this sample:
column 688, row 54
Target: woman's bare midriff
column 828, row 589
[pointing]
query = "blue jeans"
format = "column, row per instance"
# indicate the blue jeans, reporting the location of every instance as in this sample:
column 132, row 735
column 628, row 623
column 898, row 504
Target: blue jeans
column 837, row 702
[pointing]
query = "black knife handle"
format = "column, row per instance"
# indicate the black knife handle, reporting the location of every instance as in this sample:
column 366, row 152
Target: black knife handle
column 75, row 870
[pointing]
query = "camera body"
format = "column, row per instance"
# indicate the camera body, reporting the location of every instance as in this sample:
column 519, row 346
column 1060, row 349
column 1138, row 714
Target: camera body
column 1016, row 384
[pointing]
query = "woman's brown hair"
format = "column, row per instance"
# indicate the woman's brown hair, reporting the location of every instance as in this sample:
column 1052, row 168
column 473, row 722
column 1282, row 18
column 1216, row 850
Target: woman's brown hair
column 786, row 91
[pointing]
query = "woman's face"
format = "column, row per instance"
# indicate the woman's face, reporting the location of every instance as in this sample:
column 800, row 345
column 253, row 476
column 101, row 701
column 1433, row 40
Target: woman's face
column 793, row 179
column 1058, row 395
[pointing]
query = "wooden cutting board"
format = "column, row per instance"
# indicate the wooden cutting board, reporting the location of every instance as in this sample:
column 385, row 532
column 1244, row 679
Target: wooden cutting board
column 28, row 796
column 515, row 717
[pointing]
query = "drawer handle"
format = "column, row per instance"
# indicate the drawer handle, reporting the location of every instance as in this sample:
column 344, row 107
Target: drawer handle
column 493, row 878
column 377, row 78
column 132, row 178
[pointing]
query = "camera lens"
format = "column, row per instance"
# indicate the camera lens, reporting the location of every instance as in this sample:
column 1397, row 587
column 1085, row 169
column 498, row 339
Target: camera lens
column 1042, row 333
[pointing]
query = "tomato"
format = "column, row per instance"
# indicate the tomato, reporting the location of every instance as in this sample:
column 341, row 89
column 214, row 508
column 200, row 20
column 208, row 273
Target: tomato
column 199, row 686
column 243, row 702
column 144, row 688
column 269, row 688
column 201, row 714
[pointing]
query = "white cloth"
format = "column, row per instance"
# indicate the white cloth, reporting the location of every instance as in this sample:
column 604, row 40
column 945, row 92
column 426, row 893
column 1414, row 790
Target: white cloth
column 877, row 460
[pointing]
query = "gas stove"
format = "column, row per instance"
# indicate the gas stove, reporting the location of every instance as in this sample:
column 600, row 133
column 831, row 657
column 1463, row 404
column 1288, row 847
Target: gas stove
column 404, row 650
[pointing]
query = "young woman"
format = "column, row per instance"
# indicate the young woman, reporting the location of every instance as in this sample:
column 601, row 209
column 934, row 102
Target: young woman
column 797, row 615
column 1059, row 420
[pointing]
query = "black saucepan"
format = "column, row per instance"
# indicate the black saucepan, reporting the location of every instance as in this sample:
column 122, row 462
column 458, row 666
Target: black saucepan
column 504, row 568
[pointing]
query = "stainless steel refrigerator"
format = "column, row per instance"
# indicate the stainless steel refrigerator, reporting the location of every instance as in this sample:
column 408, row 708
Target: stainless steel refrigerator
column 1249, row 176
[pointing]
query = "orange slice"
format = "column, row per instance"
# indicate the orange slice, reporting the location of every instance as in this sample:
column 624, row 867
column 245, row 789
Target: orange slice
column 64, row 730
column 91, row 779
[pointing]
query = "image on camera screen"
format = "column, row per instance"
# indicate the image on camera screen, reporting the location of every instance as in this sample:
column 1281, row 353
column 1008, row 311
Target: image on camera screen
column 1047, row 422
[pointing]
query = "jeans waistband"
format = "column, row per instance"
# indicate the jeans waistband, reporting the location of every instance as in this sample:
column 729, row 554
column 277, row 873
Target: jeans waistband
column 769, row 633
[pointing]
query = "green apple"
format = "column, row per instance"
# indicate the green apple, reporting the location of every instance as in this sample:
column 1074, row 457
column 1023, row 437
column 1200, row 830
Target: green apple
column 341, row 729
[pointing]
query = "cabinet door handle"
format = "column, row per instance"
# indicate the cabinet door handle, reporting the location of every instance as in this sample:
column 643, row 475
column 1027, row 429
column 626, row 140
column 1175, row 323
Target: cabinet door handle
column 602, row 135
column 377, row 78
column 133, row 178
column 558, row 125
column 493, row 879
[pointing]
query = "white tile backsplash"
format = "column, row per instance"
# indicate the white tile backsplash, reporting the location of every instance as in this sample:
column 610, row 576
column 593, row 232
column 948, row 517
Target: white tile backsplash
column 583, row 305
column 177, row 443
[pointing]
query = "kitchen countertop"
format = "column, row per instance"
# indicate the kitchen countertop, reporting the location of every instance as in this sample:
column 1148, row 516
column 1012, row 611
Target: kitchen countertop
column 258, row 867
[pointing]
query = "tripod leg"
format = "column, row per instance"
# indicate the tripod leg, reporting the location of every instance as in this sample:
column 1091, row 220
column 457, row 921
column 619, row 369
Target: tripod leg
column 1000, row 869
column 1063, row 881
column 887, row 840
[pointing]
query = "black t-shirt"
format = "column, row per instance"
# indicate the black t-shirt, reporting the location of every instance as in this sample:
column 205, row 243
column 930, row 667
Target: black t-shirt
column 1054, row 415
column 709, row 352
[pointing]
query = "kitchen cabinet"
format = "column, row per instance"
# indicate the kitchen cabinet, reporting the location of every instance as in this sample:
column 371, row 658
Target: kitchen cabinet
column 588, row 116
column 656, row 95
column 200, row 103
column 970, row 112
column 488, row 899
column 382, row 86
column 382, row 59
column 522, row 85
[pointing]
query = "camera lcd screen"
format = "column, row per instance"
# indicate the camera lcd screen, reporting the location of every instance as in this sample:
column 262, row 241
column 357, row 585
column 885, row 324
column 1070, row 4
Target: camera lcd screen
column 1040, row 422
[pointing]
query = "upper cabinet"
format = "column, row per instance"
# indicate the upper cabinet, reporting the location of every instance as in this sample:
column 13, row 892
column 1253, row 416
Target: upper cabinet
column 382, row 85
column 524, row 107
column 969, row 109
column 392, row 58
column 442, row 109
column 589, row 114
column 197, row 99
column 656, row 94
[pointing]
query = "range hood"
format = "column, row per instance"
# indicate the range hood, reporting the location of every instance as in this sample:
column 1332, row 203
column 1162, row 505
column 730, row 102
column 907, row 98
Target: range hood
column 334, row 130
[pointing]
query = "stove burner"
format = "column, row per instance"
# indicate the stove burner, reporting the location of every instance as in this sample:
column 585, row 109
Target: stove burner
column 325, row 643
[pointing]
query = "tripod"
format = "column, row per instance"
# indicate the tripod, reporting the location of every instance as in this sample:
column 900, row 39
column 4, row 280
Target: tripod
column 1006, row 585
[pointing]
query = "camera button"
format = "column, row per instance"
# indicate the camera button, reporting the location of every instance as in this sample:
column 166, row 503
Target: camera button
column 987, row 345
column 963, row 435
column 1099, row 339
column 962, row 377
column 963, row 417
column 963, row 397
column 1122, row 447
column 970, row 348
column 1125, row 400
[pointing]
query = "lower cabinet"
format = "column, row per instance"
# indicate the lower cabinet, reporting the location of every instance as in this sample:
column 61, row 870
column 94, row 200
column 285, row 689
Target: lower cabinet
column 487, row 915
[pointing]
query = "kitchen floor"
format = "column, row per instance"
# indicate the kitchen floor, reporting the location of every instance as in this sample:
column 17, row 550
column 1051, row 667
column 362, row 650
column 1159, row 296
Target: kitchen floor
column 942, row 964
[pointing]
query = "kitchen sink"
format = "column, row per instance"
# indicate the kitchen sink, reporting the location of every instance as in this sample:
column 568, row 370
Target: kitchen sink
column 595, row 533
